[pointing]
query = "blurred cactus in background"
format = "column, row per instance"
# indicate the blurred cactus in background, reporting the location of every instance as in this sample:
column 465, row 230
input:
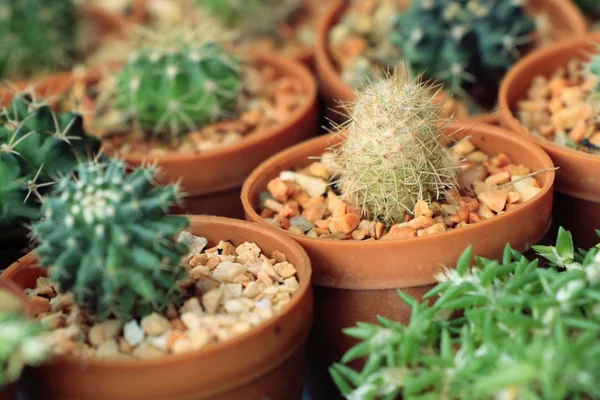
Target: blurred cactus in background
column 465, row 44
column 36, row 36
column 36, row 146
column 250, row 17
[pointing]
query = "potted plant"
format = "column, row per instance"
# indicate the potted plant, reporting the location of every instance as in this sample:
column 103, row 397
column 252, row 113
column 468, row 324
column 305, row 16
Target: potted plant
column 41, row 38
column 22, row 341
column 286, row 27
column 148, row 109
column 572, row 150
column 521, row 332
column 139, row 308
column 357, row 41
column 36, row 145
column 387, row 203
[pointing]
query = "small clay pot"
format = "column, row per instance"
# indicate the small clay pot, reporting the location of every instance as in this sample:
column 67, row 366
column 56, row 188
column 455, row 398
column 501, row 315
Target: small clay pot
column 266, row 363
column 356, row 281
column 577, row 206
column 565, row 17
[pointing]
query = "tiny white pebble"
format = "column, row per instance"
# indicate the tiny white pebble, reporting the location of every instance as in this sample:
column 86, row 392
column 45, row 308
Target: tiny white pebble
column 133, row 333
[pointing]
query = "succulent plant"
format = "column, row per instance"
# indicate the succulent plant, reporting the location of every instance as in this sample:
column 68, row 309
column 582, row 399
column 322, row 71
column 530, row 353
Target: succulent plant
column 22, row 343
column 36, row 145
column 466, row 44
column 170, row 92
column 106, row 237
column 250, row 17
column 524, row 333
column 36, row 36
column 392, row 155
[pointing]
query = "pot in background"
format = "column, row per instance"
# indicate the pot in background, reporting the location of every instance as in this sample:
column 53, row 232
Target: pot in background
column 577, row 205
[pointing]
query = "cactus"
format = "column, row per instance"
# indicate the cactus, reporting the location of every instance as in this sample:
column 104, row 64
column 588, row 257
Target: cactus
column 21, row 343
column 108, row 240
column 250, row 17
column 465, row 44
column 36, row 36
column 392, row 155
column 36, row 145
column 169, row 93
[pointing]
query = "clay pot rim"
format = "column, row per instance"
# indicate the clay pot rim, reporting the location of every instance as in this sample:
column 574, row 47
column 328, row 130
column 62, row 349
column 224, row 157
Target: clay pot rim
column 513, row 75
column 328, row 71
column 292, row 69
column 374, row 244
column 303, row 290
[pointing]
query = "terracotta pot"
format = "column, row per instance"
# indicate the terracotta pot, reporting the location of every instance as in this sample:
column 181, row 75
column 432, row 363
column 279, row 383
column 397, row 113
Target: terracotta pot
column 267, row 362
column 565, row 17
column 578, row 178
column 356, row 281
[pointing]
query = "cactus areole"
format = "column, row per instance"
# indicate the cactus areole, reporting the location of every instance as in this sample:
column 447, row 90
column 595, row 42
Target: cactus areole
column 108, row 239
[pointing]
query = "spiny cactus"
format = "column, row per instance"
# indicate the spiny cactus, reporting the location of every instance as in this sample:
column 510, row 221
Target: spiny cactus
column 36, row 145
column 392, row 155
column 108, row 239
column 36, row 36
column 250, row 17
column 21, row 343
column 463, row 43
column 169, row 93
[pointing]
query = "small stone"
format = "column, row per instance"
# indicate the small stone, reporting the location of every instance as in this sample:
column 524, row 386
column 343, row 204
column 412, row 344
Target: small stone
column 311, row 185
column 206, row 284
column 485, row 212
column 133, row 333
column 494, row 199
column 191, row 305
column 160, row 342
column 285, row 269
column 40, row 305
column 513, row 197
column 227, row 249
column 252, row 290
column 422, row 209
column 235, row 306
column 264, row 303
column 181, row 346
column 147, row 351
column 53, row 321
column 499, row 178
column 199, row 338
column 436, row 228
column 109, row 349
column 124, row 346
column 155, row 324
column 199, row 271
column 212, row 300
column 103, row 331
column 400, row 232
column 263, row 277
column 226, row 271
column 191, row 320
column 278, row 189
column 463, row 148
column 529, row 193
column 420, row 222
column 302, row 223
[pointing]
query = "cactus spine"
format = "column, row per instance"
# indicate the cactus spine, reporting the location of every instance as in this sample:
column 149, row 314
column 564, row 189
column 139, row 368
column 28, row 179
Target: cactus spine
column 463, row 43
column 36, row 145
column 250, row 17
column 108, row 240
column 36, row 36
column 392, row 155
column 169, row 93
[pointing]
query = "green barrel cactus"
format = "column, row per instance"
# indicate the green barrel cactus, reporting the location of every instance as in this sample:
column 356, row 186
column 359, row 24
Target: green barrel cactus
column 36, row 36
column 107, row 238
column 169, row 93
column 21, row 343
column 392, row 155
column 466, row 44
column 250, row 17
column 36, row 146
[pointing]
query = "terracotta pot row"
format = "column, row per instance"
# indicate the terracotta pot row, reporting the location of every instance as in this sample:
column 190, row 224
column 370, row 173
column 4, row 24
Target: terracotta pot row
column 563, row 15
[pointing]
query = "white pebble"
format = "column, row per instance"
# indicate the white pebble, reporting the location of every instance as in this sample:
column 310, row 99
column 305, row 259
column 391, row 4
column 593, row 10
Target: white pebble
column 133, row 333
column 264, row 303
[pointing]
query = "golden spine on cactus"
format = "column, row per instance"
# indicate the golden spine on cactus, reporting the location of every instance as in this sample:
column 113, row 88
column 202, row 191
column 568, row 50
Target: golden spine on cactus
column 392, row 155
